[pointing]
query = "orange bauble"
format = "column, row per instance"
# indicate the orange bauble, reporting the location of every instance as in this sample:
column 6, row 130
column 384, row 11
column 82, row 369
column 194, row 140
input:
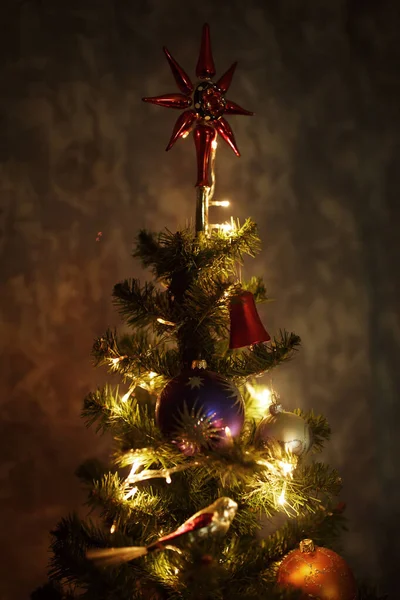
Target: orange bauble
column 320, row 573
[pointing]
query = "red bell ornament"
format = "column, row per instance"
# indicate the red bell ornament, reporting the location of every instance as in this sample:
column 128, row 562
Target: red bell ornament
column 246, row 326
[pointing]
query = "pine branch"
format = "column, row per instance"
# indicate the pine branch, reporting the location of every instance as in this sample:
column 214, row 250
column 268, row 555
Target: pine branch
column 139, row 516
column 182, row 255
column 70, row 540
column 69, row 564
column 245, row 364
column 205, row 304
column 135, row 357
column 132, row 421
column 311, row 487
column 320, row 429
column 257, row 287
column 52, row 591
column 142, row 305
column 165, row 252
column 222, row 252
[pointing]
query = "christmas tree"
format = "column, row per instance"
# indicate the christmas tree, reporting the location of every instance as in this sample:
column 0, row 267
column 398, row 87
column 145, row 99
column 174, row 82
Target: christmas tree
column 204, row 455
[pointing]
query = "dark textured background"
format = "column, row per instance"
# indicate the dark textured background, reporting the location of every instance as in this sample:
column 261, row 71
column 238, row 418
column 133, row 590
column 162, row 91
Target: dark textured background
column 80, row 153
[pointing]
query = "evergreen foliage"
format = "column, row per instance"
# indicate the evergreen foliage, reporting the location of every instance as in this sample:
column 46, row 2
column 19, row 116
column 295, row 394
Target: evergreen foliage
column 181, row 316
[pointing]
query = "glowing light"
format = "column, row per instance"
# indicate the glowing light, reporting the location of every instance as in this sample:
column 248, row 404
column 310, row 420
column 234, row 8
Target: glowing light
column 282, row 497
column 113, row 527
column 132, row 477
column 176, row 571
column 165, row 322
column 262, row 395
column 131, row 493
column 150, row 384
column 226, row 227
column 214, row 144
column 115, row 361
column 135, row 465
column 287, row 468
column 125, row 397
column 228, row 433
column 184, row 135
column 223, row 203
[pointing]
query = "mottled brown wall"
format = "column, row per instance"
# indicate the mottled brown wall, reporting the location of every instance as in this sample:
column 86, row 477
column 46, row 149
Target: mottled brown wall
column 80, row 153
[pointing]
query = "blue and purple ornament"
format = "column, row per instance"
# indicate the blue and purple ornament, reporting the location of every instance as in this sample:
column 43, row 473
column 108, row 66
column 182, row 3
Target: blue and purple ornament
column 203, row 402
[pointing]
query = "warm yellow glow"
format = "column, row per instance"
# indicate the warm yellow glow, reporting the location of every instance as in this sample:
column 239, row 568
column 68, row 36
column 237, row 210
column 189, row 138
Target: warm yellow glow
column 134, row 477
column 176, row 570
column 223, row 203
column 164, row 322
column 228, row 433
column 131, row 479
column 214, row 144
column 184, row 135
column 152, row 375
column 135, row 465
column 226, row 227
column 282, row 497
column 287, row 468
column 125, row 397
column 114, row 361
column 262, row 395
column 131, row 493
column 113, row 528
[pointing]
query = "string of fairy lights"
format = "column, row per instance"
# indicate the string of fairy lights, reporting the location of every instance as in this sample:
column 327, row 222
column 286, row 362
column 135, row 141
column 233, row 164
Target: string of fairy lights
column 277, row 472
column 280, row 470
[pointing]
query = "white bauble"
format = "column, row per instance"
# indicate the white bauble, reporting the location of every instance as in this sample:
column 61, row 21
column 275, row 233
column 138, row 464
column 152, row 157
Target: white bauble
column 290, row 430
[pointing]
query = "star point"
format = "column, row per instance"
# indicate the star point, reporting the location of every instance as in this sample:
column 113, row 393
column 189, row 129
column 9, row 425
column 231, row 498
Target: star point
column 207, row 104
column 195, row 382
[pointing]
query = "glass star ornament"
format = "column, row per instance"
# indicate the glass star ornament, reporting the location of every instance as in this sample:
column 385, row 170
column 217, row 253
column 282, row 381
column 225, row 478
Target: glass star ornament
column 205, row 106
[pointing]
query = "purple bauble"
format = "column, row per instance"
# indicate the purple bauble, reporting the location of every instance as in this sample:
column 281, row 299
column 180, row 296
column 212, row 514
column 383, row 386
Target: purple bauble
column 213, row 403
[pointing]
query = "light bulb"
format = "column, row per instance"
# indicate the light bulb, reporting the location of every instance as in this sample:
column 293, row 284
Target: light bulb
column 287, row 468
column 131, row 493
column 282, row 497
column 126, row 396
column 262, row 395
column 165, row 322
column 228, row 433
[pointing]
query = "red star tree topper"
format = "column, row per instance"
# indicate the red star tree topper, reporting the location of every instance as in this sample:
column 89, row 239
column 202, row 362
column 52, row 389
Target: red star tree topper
column 208, row 105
